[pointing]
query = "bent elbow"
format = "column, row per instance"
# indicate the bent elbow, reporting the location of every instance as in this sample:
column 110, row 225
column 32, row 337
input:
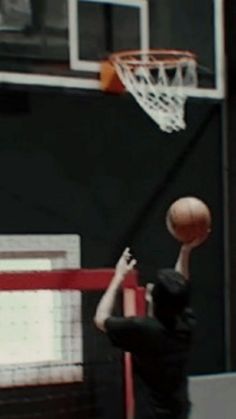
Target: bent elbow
column 100, row 323
column 95, row 321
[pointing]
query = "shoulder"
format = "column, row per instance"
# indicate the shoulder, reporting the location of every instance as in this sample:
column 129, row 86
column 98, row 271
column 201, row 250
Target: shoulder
column 133, row 334
column 127, row 333
column 132, row 325
column 125, row 322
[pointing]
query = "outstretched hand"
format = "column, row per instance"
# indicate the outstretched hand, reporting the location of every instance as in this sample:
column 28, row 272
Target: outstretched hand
column 125, row 264
column 198, row 241
column 106, row 304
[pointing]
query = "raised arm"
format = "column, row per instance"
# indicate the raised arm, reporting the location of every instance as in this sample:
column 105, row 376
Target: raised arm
column 183, row 260
column 107, row 302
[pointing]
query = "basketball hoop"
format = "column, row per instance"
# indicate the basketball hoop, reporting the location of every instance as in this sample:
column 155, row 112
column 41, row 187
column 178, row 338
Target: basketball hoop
column 159, row 80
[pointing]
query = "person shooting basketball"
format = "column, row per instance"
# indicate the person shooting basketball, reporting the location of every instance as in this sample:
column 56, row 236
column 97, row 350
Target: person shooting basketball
column 160, row 343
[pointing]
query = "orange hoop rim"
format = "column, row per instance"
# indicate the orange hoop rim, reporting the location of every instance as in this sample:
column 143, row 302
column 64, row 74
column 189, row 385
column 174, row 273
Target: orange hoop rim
column 163, row 56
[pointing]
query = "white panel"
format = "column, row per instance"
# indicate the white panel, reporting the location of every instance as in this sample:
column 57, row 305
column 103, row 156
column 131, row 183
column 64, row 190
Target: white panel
column 49, row 81
column 29, row 318
column 63, row 250
column 213, row 396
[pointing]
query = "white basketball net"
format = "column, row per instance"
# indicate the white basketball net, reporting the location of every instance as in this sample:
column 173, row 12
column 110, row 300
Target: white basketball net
column 159, row 81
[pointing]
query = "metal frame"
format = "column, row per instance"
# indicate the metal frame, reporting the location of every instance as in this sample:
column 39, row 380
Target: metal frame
column 93, row 66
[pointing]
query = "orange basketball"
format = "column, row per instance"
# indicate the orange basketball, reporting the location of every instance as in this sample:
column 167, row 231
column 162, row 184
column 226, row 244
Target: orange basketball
column 188, row 218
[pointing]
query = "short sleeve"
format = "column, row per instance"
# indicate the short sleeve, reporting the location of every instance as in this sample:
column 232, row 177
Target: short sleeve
column 125, row 333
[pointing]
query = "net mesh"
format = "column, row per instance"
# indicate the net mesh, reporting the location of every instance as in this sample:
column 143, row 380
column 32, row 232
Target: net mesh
column 54, row 363
column 159, row 81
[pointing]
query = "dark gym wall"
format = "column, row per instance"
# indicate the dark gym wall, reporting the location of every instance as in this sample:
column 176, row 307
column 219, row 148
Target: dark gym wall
column 96, row 165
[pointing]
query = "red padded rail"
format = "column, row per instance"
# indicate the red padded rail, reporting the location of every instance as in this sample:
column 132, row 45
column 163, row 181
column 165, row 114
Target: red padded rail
column 81, row 279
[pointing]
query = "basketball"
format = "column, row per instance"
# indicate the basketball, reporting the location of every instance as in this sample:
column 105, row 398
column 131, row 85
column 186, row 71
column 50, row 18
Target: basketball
column 188, row 218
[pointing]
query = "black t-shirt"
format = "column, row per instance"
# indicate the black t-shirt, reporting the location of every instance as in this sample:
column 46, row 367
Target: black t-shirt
column 160, row 358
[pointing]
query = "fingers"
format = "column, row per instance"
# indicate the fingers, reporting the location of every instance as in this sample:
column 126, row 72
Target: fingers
column 203, row 238
column 127, row 253
column 199, row 240
column 131, row 262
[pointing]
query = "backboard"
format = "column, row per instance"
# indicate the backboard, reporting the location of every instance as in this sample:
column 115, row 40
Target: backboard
column 61, row 43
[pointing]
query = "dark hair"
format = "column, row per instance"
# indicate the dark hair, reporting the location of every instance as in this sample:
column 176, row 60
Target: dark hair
column 170, row 294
